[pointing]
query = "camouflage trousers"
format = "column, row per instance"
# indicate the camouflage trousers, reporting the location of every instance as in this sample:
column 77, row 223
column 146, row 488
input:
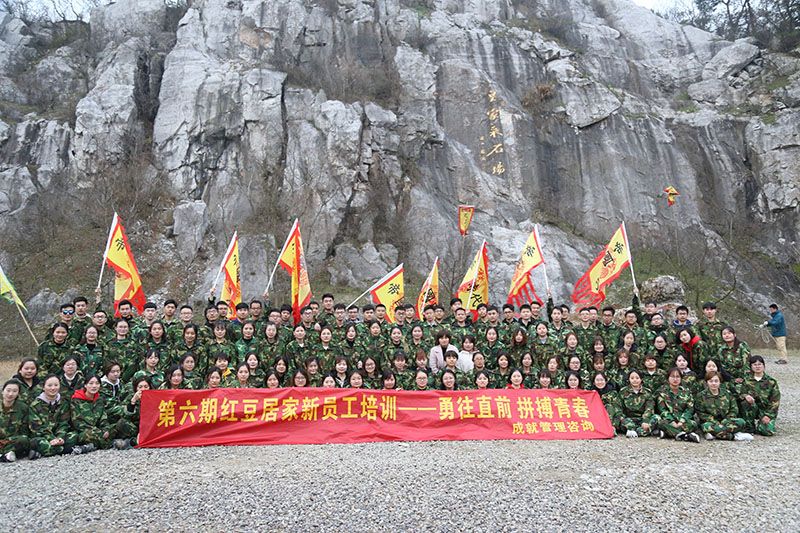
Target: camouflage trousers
column 725, row 428
column 44, row 447
column 19, row 444
column 627, row 424
column 666, row 426
column 752, row 416
column 91, row 436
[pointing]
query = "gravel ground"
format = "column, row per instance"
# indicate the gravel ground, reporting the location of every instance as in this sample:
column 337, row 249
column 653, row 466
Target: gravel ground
column 628, row 485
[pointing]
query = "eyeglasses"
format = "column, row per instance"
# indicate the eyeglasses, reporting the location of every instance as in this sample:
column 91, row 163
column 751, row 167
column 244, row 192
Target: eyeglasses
column 68, row 312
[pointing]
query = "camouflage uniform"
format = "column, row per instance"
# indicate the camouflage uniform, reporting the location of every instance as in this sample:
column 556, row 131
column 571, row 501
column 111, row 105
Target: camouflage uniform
column 586, row 336
column 268, row 351
column 28, row 393
column 156, row 378
column 193, row 380
column 654, row 331
column 51, row 356
column 711, row 332
column 664, row 358
column 542, row 351
column 612, row 404
column 297, row 354
column 718, row 415
column 127, row 425
column 89, row 422
column 127, row 353
column 767, row 395
column 636, row 408
column 610, row 335
column 91, row 358
column 735, row 360
column 675, row 407
column 655, row 381
column 490, row 353
column 69, row 386
column 214, row 349
column 558, row 335
column 638, row 332
column 49, row 421
column 327, row 358
column 565, row 355
column 14, row 428
column 176, row 353
column 243, row 347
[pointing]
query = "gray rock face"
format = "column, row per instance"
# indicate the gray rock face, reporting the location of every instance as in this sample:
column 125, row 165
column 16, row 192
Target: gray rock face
column 190, row 225
column 371, row 121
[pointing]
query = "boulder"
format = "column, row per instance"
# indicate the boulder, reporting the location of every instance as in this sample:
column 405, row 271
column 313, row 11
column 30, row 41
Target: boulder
column 730, row 60
column 662, row 289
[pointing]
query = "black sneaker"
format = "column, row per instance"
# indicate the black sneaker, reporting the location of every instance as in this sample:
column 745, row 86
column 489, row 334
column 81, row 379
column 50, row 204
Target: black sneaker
column 693, row 437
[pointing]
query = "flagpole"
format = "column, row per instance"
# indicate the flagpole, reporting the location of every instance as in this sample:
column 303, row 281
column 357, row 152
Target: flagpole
column 474, row 279
column 105, row 253
column 544, row 263
column 278, row 261
column 222, row 265
column 630, row 256
column 25, row 320
column 384, row 278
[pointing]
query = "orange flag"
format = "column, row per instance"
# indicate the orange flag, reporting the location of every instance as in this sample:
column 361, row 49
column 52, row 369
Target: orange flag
column 429, row 293
column 521, row 290
column 293, row 261
column 474, row 288
column 389, row 291
column 609, row 264
column 465, row 213
column 231, row 285
column 672, row 195
column 118, row 255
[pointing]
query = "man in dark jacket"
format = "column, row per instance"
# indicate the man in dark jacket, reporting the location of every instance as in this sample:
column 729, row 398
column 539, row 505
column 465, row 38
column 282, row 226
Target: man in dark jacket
column 777, row 326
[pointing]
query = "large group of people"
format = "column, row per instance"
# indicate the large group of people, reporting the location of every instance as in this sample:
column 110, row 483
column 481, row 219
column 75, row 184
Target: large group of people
column 669, row 378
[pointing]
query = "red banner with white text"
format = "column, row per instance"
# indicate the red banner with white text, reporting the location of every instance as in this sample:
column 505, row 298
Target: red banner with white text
column 173, row 418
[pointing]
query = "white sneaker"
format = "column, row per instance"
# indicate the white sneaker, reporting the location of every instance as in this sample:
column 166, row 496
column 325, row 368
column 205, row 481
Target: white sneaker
column 631, row 434
column 11, row 456
column 709, row 436
column 742, row 436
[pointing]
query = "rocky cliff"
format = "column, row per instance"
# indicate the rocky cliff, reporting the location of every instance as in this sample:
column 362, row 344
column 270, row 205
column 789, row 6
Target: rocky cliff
column 370, row 120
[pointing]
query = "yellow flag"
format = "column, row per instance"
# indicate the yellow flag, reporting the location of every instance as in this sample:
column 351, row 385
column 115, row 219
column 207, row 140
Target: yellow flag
column 609, row 264
column 231, row 282
column 293, row 260
column 429, row 294
column 530, row 258
column 474, row 288
column 7, row 290
column 465, row 213
column 128, row 283
column 389, row 291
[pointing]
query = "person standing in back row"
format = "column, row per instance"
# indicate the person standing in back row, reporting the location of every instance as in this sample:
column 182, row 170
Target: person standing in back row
column 777, row 326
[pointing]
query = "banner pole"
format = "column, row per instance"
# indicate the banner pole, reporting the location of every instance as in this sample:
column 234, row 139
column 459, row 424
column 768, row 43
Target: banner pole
column 105, row 253
column 630, row 256
column 544, row 263
column 27, row 325
column 278, row 261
